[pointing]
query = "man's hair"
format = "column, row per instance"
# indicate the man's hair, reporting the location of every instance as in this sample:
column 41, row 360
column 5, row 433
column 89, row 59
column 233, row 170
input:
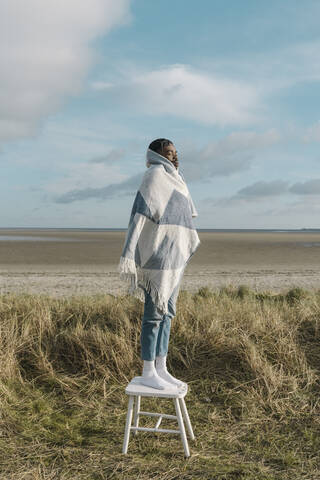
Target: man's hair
column 158, row 144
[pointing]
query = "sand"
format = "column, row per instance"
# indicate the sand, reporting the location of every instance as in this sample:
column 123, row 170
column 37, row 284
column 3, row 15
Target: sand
column 85, row 262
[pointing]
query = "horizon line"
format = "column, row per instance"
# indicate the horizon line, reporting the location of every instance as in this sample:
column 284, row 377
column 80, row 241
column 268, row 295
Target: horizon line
column 125, row 228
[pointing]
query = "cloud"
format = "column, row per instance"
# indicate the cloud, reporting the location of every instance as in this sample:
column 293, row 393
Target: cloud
column 183, row 91
column 80, row 176
column 45, row 53
column 127, row 187
column 263, row 189
column 110, row 158
column 273, row 69
column 229, row 155
column 307, row 207
column 257, row 191
column 226, row 91
column 309, row 187
column 234, row 153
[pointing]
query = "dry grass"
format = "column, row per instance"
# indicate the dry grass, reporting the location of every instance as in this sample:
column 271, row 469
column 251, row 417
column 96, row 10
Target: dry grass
column 252, row 362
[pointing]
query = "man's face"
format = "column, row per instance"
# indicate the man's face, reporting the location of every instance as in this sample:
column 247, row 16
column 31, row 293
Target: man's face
column 171, row 154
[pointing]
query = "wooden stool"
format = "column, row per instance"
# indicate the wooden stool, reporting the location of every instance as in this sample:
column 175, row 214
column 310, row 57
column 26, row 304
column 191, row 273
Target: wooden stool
column 136, row 389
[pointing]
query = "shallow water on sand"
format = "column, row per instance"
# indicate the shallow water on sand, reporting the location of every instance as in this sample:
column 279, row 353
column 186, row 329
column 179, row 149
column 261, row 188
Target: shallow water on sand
column 36, row 239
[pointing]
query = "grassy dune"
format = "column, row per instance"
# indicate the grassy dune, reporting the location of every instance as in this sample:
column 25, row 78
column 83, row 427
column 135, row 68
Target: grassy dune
column 251, row 361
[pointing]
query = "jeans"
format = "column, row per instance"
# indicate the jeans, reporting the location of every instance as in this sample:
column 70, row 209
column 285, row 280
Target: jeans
column 155, row 329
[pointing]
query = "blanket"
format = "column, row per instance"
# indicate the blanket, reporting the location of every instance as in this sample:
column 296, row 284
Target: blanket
column 161, row 237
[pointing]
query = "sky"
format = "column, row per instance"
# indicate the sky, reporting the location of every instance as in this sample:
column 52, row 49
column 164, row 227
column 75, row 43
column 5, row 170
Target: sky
column 86, row 86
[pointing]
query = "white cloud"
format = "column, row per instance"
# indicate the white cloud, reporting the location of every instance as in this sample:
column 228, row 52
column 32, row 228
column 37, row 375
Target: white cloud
column 183, row 91
column 101, row 176
column 274, row 69
column 45, row 52
column 231, row 154
column 227, row 91
column 82, row 176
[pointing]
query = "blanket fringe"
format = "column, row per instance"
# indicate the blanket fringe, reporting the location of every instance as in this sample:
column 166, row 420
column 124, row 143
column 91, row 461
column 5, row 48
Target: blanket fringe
column 128, row 272
column 158, row 299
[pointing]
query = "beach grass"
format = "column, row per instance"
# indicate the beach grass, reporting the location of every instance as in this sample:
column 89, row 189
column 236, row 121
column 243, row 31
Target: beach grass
column 252, row 362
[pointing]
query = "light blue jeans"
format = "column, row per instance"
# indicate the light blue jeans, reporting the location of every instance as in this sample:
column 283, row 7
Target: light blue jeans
column 155, row 329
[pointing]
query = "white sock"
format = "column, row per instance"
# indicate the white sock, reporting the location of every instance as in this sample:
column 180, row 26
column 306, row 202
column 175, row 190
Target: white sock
column 150, row 376
column 161, row 368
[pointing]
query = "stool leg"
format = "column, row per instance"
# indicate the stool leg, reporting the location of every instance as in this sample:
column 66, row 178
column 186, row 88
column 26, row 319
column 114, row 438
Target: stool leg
column 128, row 424
column 181, row 427
column 186, row 416
column 136, row 414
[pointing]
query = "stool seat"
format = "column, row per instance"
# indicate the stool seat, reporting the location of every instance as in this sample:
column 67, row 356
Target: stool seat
column 135, row 390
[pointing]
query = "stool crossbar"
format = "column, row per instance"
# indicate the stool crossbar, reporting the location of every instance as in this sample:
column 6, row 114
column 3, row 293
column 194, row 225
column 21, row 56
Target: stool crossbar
column 135, row 391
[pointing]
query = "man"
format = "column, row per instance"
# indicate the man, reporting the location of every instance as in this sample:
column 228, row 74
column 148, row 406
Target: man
column 161, row 239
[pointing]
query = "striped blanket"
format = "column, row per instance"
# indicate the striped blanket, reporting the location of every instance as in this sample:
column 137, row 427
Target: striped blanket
column 161, row 237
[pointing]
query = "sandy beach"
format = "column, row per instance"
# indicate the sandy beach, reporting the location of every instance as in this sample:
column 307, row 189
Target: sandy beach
column 67, row 262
